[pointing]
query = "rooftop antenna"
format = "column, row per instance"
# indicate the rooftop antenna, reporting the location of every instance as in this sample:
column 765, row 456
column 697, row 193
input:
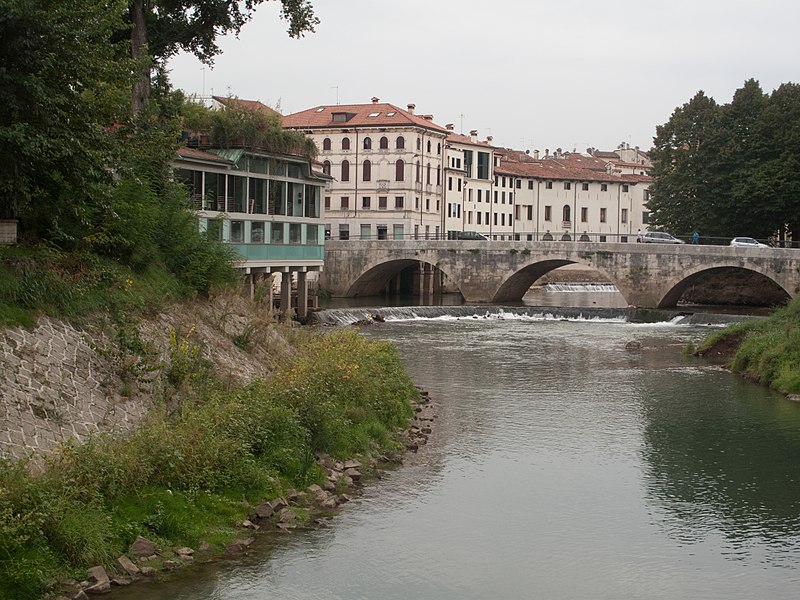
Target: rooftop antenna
column 462, row 123
column 336, row 87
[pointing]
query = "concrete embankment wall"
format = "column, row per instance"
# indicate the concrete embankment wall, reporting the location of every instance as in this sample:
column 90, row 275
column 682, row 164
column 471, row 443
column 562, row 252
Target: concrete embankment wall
column 60, row 382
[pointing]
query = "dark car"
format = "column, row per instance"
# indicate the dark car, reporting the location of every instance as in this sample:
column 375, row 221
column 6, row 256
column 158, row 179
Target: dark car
column 660, row 237
column 467, row 235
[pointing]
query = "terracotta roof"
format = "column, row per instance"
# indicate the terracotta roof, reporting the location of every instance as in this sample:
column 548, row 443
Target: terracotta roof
column 194, row 154
column 246, row 105
column 571, row 168
column 358, row 115
column 600, row 154
column 457, row 138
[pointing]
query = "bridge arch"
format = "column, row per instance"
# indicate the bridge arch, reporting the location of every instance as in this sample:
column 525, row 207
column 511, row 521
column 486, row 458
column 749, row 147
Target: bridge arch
column 674, row 288
column 513, row 288
column 374, row 277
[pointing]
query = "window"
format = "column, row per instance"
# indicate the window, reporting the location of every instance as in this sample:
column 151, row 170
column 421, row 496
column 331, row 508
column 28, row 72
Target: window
column 429, row 146
column 382, row 202
column 645, row 217
column 276, row 233
column 366, row 231
column 398, row 232
column 419, row 143
column 584, row 214
column 367, row 143
column 602, row 215
column 237, row 231
column 548, row 213
column 427, row 203
column 478, row 214
column 519, row 184
column 567, row 185
column 365, row 202
column 399, row 170
column 257, row 232
column 401, row 144
column 530, row 184
column 548, row 185
column 450, row 184
column 295, row 233
column 439, row 175
column 603, row 187
column 398, row 201
column 344, row 231
column 623, row 218
column 326, row 167
column 326, row 144
column 585, row 187
column 327, row 202
column 438, row 148
column 367, row 168
column 624, row 187
column 530, row 213
column 458, row 181
column 346, row 143
column 345, row 170
column 566, row 214
column 479, row 195
column 384, row 143
column 345, row 202
column 383, row 231
column 483, row 165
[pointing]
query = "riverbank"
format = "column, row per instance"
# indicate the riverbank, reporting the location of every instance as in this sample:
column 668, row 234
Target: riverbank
column 765, row 351
column 246, row 415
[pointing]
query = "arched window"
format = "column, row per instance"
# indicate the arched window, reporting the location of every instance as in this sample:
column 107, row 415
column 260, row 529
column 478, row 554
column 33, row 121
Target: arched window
column 419, row 143
column 367, row 143
column 438, row 148
column 401, row 143
column 345, row 143
column 384, row 143
column 345, row 170
column 326, row 144
column 566, row 213
column 429, row 146
column 428, row 173
column 326, row 167
column 367, row 171
column 400, row 169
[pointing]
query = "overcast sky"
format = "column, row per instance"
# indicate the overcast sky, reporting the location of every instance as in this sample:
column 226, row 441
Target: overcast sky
column 530, row 73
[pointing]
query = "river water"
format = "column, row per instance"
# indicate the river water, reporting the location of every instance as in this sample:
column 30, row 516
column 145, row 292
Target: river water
column 563, row 465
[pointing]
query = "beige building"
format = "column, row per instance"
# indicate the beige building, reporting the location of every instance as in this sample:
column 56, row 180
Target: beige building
column 387, row 169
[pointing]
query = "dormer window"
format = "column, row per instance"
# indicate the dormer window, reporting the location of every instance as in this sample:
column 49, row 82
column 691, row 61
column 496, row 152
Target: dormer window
column 373, row 114
column 339, row 117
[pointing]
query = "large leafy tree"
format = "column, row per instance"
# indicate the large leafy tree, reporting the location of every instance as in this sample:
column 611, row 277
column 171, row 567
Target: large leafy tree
column 730, row 169
column 682, row 195
column 61, row 84
column 162, row 28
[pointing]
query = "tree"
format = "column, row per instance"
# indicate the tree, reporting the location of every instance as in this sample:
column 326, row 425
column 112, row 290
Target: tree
column 61, row 84
column 682, row 194
column 162, row 28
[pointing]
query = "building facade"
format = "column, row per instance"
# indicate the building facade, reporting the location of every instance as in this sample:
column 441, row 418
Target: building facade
column 268, row 207
column 386, row 166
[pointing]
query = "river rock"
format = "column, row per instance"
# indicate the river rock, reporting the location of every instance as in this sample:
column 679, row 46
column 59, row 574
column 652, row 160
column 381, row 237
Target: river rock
column 184, row 552
column 121, row 580
column 633, row 346
column 352, row 464
column 240, row 545
column 170, row 565
column 148, row 571
column 143, row 547
column 264, row 510
column 127, row 566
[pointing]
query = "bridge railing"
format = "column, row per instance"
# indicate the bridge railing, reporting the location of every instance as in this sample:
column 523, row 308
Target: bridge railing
column 539, row 236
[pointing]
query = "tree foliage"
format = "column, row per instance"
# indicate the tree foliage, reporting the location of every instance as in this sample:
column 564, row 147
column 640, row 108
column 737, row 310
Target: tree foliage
column 730, row 169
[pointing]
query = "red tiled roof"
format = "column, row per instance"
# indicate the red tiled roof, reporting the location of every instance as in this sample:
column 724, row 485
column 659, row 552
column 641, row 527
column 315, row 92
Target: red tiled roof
column 246, row 105
column 457, row 138
column 574, row 167
column 321, row 117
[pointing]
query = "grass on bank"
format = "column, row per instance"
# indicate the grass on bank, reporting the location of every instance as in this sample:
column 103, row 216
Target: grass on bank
column 768, row 351
column 190, row 477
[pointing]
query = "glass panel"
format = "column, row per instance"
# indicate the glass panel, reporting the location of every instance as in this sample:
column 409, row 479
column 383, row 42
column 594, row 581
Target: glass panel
column 257, row 232
column 277, row 194
column 295, row 233
column 237, row 188
column 276, row 235
column 397, row 232
column 258, row 165
column 237, row 232
column 294, row 208
column 295, row 171
column 312, row 201
column 312, row 235
column 366, row 231
column 257, row 197
column 277, row 167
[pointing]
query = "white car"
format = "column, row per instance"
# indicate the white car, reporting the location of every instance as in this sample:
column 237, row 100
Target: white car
column 747, row 242
column 659, row 237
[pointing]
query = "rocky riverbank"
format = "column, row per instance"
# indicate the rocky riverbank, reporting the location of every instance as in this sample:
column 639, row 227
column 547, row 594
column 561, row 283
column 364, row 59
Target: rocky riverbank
column 314, row 506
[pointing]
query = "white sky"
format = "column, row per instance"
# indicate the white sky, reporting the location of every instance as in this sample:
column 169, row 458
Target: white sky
column 533, row 74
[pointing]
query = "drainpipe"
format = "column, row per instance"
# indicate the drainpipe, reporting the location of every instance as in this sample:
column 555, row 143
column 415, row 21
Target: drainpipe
column 355, row 200
column 538, row 218
column 575, row 213
column 619, row 200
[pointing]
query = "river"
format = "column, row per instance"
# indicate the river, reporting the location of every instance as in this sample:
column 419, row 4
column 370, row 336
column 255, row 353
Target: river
column 563, row 465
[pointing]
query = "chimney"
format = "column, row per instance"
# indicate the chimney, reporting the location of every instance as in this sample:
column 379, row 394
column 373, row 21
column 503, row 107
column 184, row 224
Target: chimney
column 375, row 99
column 449, row 127
column 411, row 108
column 428, row 117
column 489, row 139
column 535, row 155
column 473, row 134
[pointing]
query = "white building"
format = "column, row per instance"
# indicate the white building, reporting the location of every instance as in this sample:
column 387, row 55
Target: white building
column 386, row 165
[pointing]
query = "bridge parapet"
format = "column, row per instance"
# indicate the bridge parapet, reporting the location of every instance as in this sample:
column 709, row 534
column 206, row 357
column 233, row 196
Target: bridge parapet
column 647, row 275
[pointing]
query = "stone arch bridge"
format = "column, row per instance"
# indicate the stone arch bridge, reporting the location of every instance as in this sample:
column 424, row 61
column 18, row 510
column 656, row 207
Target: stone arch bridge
column 647, row 275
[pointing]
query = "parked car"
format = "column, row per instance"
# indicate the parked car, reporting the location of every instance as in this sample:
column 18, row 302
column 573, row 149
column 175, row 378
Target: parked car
column 747, row 242
column 659, row 237
column 467, row 235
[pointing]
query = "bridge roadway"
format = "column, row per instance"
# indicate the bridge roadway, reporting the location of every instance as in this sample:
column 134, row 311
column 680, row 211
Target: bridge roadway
column 647, row 275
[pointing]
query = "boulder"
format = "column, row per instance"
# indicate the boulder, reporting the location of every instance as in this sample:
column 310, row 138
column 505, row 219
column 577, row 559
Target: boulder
column 148, row 571
column 264, row 510
column 100, row 583
column 143, row 547
column 183, row 552
column 127, row 566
